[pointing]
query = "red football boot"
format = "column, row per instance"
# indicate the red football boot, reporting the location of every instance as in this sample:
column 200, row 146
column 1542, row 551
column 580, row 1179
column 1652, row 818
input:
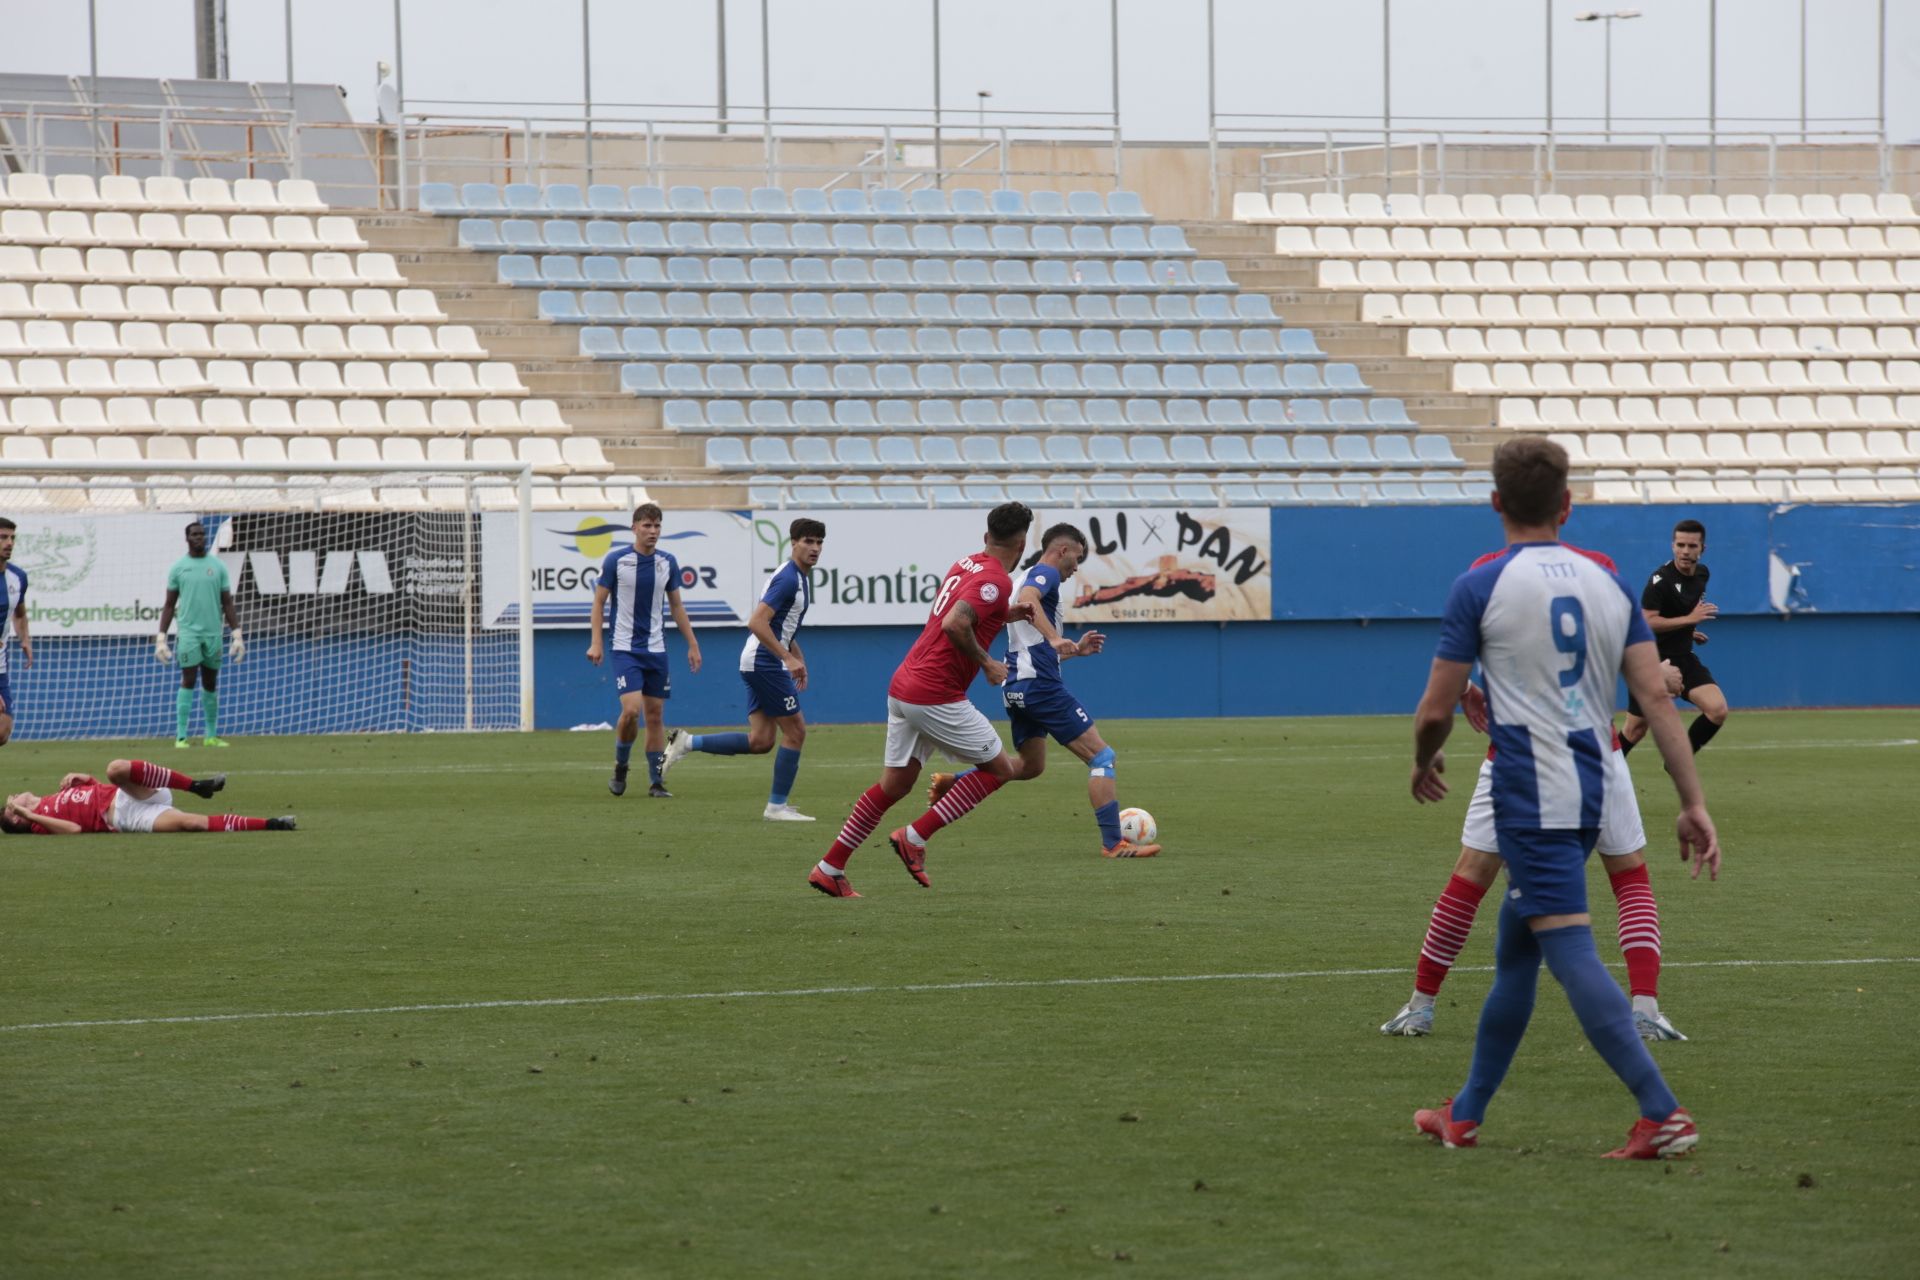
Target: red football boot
column 914, row 858
column 832, row 886
column 1659, row 1139
column 1444, row 1129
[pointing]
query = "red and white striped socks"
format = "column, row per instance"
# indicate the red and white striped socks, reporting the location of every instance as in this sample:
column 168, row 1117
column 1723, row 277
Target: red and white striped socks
column 867, row 812
column 1446, row 933
column 1639, row 930
column 234, row 822
column 969, row 790
column 148, row 774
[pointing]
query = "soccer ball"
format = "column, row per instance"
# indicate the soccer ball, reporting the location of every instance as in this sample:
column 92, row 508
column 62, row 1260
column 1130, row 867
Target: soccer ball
column 1138, row 826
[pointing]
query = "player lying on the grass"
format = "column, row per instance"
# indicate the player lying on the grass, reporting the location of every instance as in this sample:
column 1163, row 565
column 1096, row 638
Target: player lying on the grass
column 1622, row 849
column 198, row 587
column 638, row 586
column 1675, row 605
column 1551, row 629
column 137, row 797
column 927, row 705
column 13, row 614
column 775, row 673
column 1038, row 700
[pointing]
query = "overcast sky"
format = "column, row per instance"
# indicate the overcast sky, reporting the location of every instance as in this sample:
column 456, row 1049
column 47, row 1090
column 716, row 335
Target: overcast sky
column 1295, row 58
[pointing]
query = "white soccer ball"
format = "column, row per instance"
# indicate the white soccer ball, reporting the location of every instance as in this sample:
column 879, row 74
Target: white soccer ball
column 1138, row 826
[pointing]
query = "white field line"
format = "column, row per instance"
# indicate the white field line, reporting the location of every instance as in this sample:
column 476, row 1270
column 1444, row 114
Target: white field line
column 1329, row 754
column 985, row 984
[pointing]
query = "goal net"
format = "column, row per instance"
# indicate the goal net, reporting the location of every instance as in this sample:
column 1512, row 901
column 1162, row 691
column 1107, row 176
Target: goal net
column 362, row 597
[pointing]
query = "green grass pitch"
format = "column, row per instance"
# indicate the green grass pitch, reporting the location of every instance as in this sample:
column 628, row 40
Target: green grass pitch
column 1000, row 1120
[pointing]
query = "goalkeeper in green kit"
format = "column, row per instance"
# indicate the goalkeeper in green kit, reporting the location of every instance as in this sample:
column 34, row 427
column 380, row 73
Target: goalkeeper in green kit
column 199, row 590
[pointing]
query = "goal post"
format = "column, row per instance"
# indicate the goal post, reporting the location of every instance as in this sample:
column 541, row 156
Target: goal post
column 377, row 599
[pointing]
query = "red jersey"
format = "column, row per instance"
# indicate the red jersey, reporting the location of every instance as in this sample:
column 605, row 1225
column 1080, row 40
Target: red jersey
column 934, row 672
column 87, row 804
column 1600, row 558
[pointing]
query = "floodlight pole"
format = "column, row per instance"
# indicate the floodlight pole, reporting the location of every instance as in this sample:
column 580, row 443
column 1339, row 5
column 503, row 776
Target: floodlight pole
column 939, row 168
column 720, row 55
column 1803, row 72
column 1213, row 130
column 586, row 81
column 766, row 71
column 1713, row 95
column 288, row 8
column 1386, row 97
column 93, row 75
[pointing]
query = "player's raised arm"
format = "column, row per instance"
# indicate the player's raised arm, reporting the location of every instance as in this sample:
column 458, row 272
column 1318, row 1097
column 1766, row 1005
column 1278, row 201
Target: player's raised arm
column 1698, row 840
column 958, row 628
column 682, row 621
column 1432, row 722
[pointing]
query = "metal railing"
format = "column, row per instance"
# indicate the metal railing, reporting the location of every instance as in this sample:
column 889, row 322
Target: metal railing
column 1333, row 155
column 904, row 153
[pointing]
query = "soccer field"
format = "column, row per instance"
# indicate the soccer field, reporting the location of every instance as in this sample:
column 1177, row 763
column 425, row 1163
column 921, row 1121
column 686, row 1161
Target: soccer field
column 478, row 1018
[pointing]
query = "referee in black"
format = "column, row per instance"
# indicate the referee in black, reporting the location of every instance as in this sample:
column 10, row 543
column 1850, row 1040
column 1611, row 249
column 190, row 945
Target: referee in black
column 1675, row 605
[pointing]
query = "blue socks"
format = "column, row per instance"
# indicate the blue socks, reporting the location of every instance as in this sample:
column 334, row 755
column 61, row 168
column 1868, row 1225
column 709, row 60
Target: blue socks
column 1503, row 1019
column 721, row 744
column 1604, row 1012
column 655, row 759
column 786, row 767
column 1605, row 1015
column 1108, row 816
column 622, row 752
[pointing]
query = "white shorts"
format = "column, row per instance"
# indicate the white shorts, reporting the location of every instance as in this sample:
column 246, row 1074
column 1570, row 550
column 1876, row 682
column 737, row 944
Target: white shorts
column 135, row 817
column 1620, row 828
column 957, row 728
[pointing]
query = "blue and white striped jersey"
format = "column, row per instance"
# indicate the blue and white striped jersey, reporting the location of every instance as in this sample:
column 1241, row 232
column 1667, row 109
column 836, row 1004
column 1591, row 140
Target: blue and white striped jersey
column 637, row 605
column 1028, row 652
column 1548, row 627
column 13, row 589
column 789, row 594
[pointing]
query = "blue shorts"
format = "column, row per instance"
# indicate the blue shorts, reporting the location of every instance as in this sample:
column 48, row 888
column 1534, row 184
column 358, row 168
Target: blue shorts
column 1547, row 870
column 641, row 673
column 771, row 693
column 6, row 695
column 1037, row 709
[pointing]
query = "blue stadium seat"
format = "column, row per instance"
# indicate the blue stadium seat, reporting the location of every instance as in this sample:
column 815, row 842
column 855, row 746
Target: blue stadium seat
column 682, row 272
column 1065, row 451
column 729, row 238
column 730, row 202
column 440, row 197
column 554, row 304
column 939, row 453
column 980, row 451
column 1352, row 451
column 687, row 237
column 898, row 453
column 891, row 239
column 980, row 415
column 929, row 203
column 1278, row 489
column 1052, row 241
column 725, row 415
column 1105, row 414
column 850, row 203
column 813, row 453
column 1064, row 415
column 1145, row 415
column 1228, row 415
column 1312, row 451
column 648, row 237
column 1131, row 242
column 774, row 380
column 604, row 233
column 563, row 197
column 1443, row 491
column 770, row 202
column 687, row 200
column 642, row 379
column 600, row 306
column 481, row 197
column 1207, row 274
column 1272, row 451
column 1296, row 344
column 1106, row 452
column 605, row 198
column 939, row 415
column 648, row 272
column 1126, row 204
column 1349, row 413
column 1148, row 451
column 971, row 203
column 1188, row 451
column 681, row 343
column 811, row 202
column 1303, row 380
column 889, row 202
column 642, row 305
column 770, row 415
column 1231, row 451
column 726, row 454
column 603, row 269
column 1393, row 451
column 1050, row 204
column 648, row 201
column 479, row 233
column 770, row 451
column 1346, row 377
column 895, row 415
column 1168, row 240
column 1024, row 453
column 1214, row 308
column 1308, row 414
column 522, row 197
column 730, row 344
column 599, row 342
column 562, row 235
column 683, row 415
column 1008, row 204
column 1390, row 412
column 850, row 237
column 522, row 234
column 518, row 268
column 856, row 453
column 1435, row 451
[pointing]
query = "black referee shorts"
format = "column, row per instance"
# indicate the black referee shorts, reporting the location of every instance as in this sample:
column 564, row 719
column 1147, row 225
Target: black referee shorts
column 1693, row 674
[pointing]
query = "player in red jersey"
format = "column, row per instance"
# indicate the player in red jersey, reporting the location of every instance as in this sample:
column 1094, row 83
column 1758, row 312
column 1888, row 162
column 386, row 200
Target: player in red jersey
column 136, row 798
column 1622, row 850
column 927, row 705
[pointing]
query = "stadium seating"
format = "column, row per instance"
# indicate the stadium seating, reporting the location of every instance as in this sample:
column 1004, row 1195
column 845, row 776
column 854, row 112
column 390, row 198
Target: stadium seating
column 1636, row 329
column 832, row 317
column 165, row 321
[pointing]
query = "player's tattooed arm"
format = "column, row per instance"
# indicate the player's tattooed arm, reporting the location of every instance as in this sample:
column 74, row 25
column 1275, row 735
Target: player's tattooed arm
column 958, row 627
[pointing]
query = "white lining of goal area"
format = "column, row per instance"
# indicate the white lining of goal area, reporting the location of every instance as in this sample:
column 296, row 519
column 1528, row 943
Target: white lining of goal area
column 913, row 988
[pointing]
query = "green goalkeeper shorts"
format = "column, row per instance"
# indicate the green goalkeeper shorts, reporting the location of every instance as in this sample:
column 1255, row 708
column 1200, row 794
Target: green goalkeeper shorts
column 199, row 651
